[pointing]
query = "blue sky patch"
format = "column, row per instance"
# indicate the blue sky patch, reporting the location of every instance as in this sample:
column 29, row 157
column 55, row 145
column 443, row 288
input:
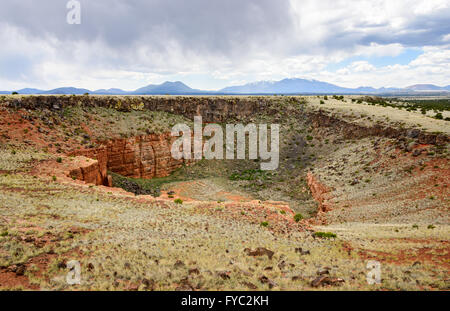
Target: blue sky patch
column 404, row 58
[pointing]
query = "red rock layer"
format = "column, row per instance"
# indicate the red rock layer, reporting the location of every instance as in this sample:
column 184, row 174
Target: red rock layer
column 144, row 156
column 320, row 192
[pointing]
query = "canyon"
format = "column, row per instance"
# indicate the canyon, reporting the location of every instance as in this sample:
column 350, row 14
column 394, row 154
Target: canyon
column 355, row 182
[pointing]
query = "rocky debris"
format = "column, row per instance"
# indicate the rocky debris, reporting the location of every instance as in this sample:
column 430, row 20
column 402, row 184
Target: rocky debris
column 301, row 251
column 417, row 152
column 194, row 271
column 326, row 280
column 184, row 285
column 260, row 251
column 18, row 269
column 250, row 285
column 297, row 277
column 28, row 239
column 225, row 275
column 413, row 133
column 265, row 280
column 148, row 284
column 132, row 287
column 62, row 264
column 354, row 182
column 323, row 271
column 178, row 264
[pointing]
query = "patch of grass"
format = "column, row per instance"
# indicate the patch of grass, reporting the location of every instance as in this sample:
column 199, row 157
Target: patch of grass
column 298, row 217
column 326, row 235
column 252, row 174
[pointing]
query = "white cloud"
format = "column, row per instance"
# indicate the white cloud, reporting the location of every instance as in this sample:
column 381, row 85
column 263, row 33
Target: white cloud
column 230, row 42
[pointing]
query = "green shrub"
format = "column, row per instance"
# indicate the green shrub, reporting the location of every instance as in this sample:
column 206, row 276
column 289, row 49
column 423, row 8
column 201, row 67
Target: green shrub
column 14, row 93
column 324, row 234
column 250, row 174
column 264, row 224
column 178, row 201
column 439, row 116
column 59, row 160
column 54, row 178
column 298, row 217
column 4, row 233
column 431, row 227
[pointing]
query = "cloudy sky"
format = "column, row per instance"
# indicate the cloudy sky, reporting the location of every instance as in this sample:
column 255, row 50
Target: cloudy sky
column 210, row 44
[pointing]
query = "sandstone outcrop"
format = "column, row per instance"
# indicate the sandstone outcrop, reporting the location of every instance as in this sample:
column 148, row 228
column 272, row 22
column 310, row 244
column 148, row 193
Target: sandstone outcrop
column 320, row 192
column 144, row 156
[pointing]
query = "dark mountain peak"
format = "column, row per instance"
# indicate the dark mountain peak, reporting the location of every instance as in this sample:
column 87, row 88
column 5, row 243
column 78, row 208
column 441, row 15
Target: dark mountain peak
column 425, row 87
column 167, row 87
column 284, row 86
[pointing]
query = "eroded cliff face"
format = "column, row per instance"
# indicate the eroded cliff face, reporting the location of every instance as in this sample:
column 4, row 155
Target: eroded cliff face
column 212, row 109
column 323, row 122
column 320, row 192
column 144, row 156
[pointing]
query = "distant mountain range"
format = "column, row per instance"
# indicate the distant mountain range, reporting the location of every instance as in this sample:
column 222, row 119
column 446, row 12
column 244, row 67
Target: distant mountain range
column 285, row 86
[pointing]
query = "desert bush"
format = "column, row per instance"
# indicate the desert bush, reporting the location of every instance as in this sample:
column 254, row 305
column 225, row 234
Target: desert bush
column 326, row 235
column 439, row 116
column 298, row 217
